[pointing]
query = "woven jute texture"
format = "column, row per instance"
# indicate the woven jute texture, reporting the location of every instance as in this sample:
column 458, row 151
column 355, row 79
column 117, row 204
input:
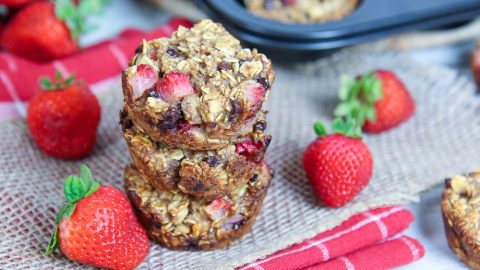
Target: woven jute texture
column 440, row 141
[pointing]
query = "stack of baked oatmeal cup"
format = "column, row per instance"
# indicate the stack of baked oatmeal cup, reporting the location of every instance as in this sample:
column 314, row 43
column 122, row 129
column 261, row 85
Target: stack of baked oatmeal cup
column 195, row 128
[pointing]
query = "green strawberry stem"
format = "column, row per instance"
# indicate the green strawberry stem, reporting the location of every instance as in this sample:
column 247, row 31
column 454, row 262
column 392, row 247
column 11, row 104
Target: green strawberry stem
column 58, row 83
column 75, row 189
column 75, row 15
column 357, row 97
column 348, row 127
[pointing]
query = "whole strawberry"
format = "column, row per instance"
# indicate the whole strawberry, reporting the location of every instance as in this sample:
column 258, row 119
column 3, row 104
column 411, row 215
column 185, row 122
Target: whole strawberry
column 378, row 101
column 97, row 226
column 63, row 118
column 45, row 30
column 338, row 165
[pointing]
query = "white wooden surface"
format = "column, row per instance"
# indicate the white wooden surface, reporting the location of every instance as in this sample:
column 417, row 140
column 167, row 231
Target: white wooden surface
column 428, row 226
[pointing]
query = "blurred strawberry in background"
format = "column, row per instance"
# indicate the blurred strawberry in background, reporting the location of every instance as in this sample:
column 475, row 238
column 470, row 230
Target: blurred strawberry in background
column 44, row 30
column 14, row 3
column 378, row 101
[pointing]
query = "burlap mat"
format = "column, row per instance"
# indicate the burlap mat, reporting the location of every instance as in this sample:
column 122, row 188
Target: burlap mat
column 440, row 141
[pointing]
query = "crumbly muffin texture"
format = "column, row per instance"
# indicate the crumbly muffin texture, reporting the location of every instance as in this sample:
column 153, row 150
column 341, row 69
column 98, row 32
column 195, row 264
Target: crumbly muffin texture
column 178, row 221
column 202, row 174
column 461, row 215
column 200, row 77
column 302, row 11
column 194, row 137
column 193, row 121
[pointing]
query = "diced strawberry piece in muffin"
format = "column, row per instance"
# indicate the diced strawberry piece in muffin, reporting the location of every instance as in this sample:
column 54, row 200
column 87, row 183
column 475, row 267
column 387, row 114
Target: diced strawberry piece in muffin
column 248, row 148
column 144, row 79
column 255, row 94
column 218, row 209
column 184, row 127
column 174, row 86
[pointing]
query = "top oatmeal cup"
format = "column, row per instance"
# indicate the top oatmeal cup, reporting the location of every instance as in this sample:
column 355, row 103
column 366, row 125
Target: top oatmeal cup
column 200, row 83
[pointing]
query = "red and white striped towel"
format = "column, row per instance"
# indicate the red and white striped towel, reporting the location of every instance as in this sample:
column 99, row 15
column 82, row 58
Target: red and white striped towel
column 19, row 77
column 369, row 240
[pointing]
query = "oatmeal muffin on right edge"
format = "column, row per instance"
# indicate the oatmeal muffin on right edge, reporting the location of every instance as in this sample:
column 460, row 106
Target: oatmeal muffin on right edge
column 461, row 217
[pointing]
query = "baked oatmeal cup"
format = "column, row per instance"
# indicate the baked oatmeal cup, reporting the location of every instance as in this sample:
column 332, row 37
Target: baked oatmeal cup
column 177, row 221
column 461, row 217
column 302, row 11
column 198, row 89
column 194, row 137
column 201, row 174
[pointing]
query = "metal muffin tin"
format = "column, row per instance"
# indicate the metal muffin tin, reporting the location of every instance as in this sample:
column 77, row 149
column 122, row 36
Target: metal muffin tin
column 372, row 19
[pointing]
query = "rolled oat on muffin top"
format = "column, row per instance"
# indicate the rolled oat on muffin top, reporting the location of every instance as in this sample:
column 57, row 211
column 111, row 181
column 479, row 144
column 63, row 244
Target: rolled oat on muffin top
column 199, row 81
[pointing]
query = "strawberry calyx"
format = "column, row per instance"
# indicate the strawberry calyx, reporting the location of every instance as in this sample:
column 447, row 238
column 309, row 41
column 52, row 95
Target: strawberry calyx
column 57, row 83
column 348, row 127
column 74, row 15
column 75, row 188
column 358, row 97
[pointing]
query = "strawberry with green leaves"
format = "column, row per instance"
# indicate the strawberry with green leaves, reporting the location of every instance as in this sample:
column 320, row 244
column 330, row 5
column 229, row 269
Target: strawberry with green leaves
column 97, row 226
column 378, row 101
column 338, row 165
column 45, row 30
column 63, row 118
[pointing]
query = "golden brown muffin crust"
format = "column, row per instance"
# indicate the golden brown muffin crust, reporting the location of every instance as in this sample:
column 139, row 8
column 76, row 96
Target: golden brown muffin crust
column 177, row 221
column 461, row 216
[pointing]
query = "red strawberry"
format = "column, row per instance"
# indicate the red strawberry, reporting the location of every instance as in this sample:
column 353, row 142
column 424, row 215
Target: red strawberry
column 63, row 118
column 378, row 101
column 255, row 94
column 250, row 150
column 97, row 226
column 174, row 86
column 218, row 208
column 144, row 78
column 44, row 31
column 338, row 165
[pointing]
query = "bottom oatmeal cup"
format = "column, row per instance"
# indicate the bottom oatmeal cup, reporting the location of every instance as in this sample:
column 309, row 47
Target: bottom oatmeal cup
column 177, row 221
